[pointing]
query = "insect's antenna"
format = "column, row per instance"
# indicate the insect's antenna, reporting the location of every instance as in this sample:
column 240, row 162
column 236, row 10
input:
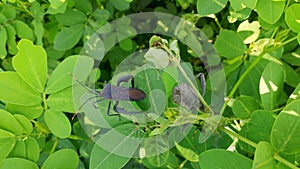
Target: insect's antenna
column 203, row 83
column 88, row 89
column 80, row 107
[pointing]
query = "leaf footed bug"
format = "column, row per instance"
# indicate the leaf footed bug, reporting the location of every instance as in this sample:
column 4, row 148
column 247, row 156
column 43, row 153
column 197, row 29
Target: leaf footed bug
column 115, row 93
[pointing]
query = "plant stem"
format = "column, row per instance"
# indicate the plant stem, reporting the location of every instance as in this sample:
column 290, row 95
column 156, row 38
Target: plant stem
column 284, row 161
column 253, row 144
column 288, row 41
column 175, row 60
column 231, row 133
column 54, row 146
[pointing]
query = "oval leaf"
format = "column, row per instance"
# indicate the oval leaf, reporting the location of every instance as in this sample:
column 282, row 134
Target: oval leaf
column 18, row 163
column 243, row 106
column 31, row 64
column 7, row 143
column 23, row 30
column 69, row 37
column 62, row 159
column 71, row 17
column 31, row 112
column 292, row 17
column 271, row 85
column 286, row 130
column 218, row 158
column 270, row 10
column 205, row 7
column 24, row 122
column 229, row 44
column 61, row 77
column 62, row 100
column 58, row 123
column 101, row 158
column 3, row 37
column 264, row 156
column 187, row 153
column 13, row 89
column 9, row 123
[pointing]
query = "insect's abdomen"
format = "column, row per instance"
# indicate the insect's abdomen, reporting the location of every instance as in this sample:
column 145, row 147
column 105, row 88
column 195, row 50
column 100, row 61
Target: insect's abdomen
column 127, row 94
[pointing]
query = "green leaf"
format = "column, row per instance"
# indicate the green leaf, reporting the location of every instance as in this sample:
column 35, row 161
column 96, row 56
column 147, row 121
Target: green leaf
column 11, row 41
column 270, row 26
column 101, row 14
column 101, row 158
column 31, row 64
column 155, row 101
column 8, row 122
column 293, row 58
column 122, row 140
column 84, row 6
column 71, row 17
column 62, row 159
column 31, row 112
column 18, row 163
column 68, row 37
column 58, row 123
column 295, row 95
column 32, row 149
column 62, row 100
column 14, row 90
column 27, row 148
column 120, row 5
column 3, row 37
column 270, row 10
column 257, row 129
column 23, row 30
column 158, row 57
column 271, row 85
column 292, row 17
column 243, row 106
column 236, row 4
column 219, row 158
column 229, row 44
column 264, row 156
column 9, row 11
column 156, row 150
column 75, row 66
column 57, row 6
column 292, row 77
column 205, row 7
column 250, row 3
column 38, row 31
column 286, row 130
column 187, row 153
column 7, row 143
column 239, row 15
column 24, row 122
column 3, row 18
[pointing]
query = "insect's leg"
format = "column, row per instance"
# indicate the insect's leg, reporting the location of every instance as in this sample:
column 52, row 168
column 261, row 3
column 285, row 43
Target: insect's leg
column 124, row 79
column 203, row 83
column 97, row 101
column 88, row 89
column 108, row 110
column 80, row 107
column 123, row 111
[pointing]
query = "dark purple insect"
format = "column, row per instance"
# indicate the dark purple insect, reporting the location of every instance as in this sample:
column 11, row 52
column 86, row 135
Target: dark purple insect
column 117, row 93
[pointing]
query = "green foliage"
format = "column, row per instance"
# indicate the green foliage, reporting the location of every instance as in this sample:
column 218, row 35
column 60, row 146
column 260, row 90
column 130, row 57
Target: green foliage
column 44, row 70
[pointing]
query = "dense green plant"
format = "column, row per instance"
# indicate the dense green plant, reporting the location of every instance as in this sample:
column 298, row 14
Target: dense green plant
column 258, row 43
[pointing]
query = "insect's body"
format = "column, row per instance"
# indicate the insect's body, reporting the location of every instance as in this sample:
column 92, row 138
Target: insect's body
column 122, row 93
column 117, row 93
